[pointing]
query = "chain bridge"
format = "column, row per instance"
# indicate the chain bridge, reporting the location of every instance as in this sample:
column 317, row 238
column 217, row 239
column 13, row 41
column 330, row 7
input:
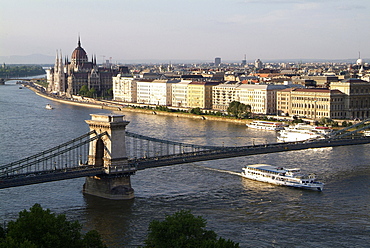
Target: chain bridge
column 108, row 155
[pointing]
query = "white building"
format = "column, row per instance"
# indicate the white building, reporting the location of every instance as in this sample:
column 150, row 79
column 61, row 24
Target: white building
column 224, row 94
column 180, row 94
column 261, row 97
column 155, row 92
column 258, row 64
column 124, row 88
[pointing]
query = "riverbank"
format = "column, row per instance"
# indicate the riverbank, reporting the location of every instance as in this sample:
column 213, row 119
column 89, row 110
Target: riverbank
column 120, row 107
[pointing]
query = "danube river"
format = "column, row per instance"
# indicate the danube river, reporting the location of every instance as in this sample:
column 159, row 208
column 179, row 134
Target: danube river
column 251, row 213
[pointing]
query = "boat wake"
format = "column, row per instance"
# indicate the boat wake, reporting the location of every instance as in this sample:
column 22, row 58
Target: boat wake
column 219, row 170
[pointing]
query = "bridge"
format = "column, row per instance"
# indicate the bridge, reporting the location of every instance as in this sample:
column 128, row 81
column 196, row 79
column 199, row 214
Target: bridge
column 108, row 155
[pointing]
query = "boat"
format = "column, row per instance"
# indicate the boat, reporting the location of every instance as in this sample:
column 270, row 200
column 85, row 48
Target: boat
column 366, row 133
column 266, row 125
column 302, row 132
column 48, row 106
column 281, row 176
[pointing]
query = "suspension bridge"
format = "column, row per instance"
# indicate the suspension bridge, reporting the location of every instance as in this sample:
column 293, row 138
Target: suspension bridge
column 108, row 155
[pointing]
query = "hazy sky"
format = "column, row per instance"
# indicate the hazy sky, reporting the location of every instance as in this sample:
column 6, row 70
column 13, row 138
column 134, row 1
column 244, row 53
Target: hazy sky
column 174, row 30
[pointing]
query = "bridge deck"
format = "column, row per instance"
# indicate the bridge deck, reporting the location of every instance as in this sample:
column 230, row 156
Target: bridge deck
column 189, row 157
column 145, row 163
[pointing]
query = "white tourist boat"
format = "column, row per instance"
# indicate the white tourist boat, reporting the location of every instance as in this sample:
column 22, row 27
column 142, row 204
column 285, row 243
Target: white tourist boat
column 266, row 125
column 301, row 132
column 281, row 176
column 366, row 133
column 48, row 106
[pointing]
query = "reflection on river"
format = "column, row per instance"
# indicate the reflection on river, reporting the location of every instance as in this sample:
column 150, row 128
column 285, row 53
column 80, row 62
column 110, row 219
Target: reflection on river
column 252, row 213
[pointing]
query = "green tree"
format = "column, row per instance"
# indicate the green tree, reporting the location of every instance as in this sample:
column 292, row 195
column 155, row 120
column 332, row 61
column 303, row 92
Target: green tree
column 92, row 92
column 2, row 233
column 326, row 121
column 84, row 90
column 196, row 111
column 41, row 228
column 239, row 110
column 110, row 93
column 181, row 230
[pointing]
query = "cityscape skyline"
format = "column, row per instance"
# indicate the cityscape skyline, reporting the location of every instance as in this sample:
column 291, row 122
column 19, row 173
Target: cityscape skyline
column 127, row 31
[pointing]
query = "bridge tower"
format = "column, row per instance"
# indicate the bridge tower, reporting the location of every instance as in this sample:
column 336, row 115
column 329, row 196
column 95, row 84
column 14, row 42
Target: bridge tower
column 109, row 151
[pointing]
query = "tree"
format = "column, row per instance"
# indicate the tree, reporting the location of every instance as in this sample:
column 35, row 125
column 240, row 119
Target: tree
column 297, row 120
column 110, row 93
column 326, row 121
column 84, row 90
column 196, row 111
column 183, row 229
column 239, row 110
column 92, row 92
column 41, row 228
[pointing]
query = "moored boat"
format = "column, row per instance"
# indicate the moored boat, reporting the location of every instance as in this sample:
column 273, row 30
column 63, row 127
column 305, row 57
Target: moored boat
column 281, row 176
column 266, row 125
column 301, row 132
column 366, row 133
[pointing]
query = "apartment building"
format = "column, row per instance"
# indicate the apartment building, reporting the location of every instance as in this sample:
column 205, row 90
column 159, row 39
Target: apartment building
column 124, row 88
column 180, row 94
column 261, row 97
column 155, row 92
column 224, row 94
column 200, row 94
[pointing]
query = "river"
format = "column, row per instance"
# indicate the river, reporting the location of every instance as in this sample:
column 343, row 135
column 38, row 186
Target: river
column 254, row 214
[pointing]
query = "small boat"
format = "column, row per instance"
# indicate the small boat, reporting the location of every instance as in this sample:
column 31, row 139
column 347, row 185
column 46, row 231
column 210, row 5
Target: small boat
column 48, row 106
column 266, row 125
column 281, row 176
column 302, row 132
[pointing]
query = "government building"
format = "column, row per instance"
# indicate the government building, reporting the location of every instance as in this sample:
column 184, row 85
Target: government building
column 66, row 78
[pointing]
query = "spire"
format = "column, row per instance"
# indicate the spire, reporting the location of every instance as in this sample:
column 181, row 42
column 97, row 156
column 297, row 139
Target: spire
column 56, row 58
column 79, row 41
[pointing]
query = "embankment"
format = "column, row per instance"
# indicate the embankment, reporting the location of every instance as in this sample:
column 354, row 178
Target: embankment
column 119, row 107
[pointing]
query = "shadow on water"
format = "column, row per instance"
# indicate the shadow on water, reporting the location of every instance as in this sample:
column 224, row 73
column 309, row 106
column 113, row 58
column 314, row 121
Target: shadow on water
column 113, row 219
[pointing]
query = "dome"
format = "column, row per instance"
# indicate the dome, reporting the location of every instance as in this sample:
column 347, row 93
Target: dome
column 359, row 62
column 79, row 55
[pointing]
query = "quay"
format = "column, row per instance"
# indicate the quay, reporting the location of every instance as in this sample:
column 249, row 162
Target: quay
column 122, row 107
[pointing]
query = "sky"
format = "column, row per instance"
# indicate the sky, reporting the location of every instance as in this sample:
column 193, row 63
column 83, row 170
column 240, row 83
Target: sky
column 187, row 30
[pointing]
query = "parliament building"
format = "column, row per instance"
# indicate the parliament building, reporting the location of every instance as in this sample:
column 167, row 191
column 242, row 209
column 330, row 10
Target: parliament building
column 67, row 77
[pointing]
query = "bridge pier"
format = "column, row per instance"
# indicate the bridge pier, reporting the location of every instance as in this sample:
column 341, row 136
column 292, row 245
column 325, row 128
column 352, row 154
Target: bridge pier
column 109, row 151
column 109, row 187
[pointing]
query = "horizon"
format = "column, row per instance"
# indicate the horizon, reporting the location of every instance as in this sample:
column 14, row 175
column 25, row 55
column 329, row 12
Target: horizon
column 30, row 59
column 165, row 30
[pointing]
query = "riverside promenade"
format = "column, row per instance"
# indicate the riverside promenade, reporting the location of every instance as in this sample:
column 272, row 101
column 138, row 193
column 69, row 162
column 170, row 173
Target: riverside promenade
column 128, row 107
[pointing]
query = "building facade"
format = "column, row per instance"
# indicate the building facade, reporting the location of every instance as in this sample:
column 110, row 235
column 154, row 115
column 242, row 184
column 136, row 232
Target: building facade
column 224, row 94
column 200, row 94
column 155, row 92
column 68, row 77
column 311, row 103
column 261, row 97
column 124, row 88
column 180, row 94
column 357, row 97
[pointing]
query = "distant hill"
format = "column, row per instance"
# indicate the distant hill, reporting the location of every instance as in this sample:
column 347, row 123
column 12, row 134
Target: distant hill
column 28, row 59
